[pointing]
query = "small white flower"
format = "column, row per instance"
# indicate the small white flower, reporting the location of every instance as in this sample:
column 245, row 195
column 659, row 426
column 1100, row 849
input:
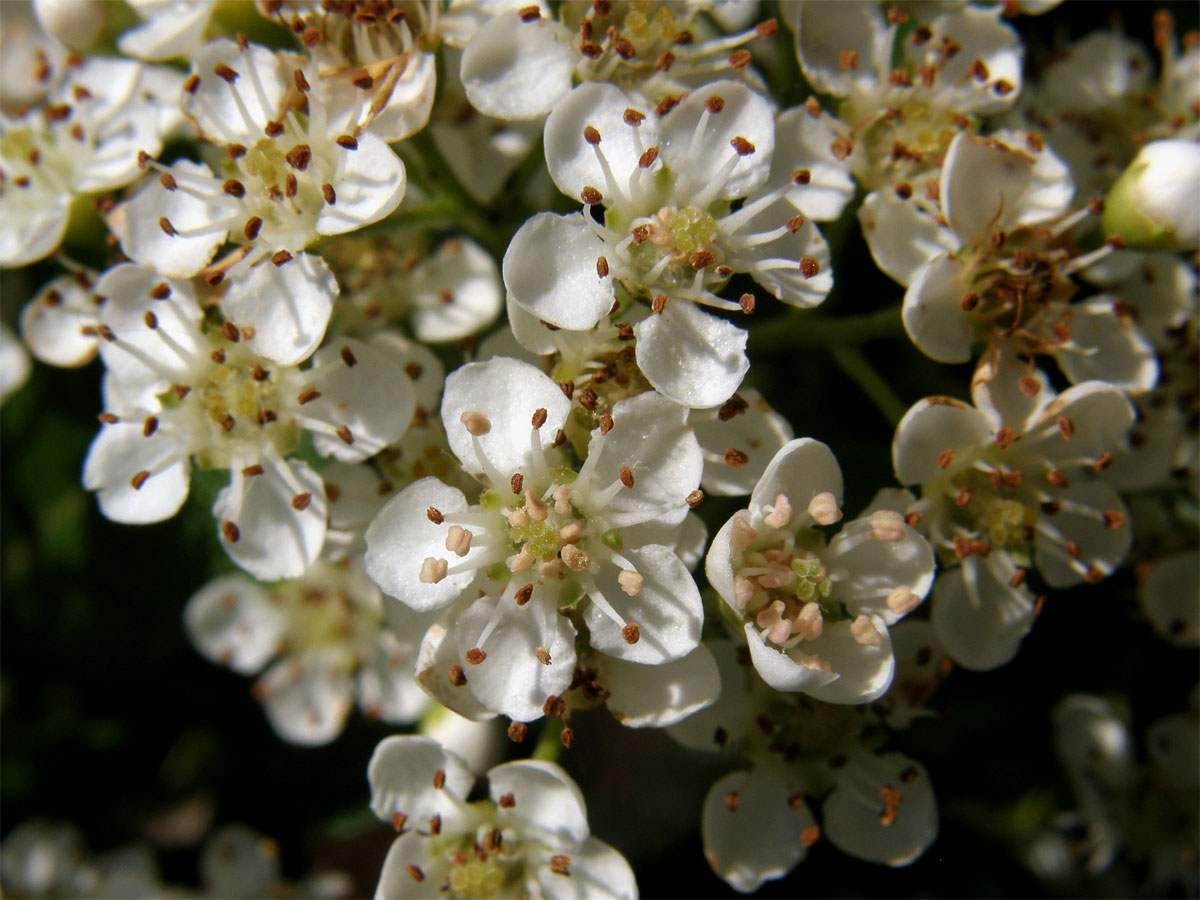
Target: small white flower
column 530, row 837
column 772, row 567
column 15, row 364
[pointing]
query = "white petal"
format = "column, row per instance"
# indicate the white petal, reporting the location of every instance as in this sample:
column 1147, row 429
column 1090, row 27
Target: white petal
column 981, row 35
column 723, row 724
column 402, row 537
column 651, row 437
column 117, row 455
column 136, row 224
column 550, row 271
column 780, row 670
column 307, row 698
column 232, row 621
column 802, row 143
column 1169, row 595
column 1107, row 347
column 402, row 774
column 823, row 31
column 697, row 161
column 176, row 30
column 30, row 231
column 718, row 563
column 370, row 184
column 869, row 569
column 548, row 806
column 287, row 306
column 656, row 696
column 863, row 672
column 387, row 688
column 902, row 237
column 597, row 871
column 1101, row 414
column 15, row 364
column 471, row 276
column 438, row 654
column 511, row 680
column 363, row 388
column 758, row 432
column 213, row 106
column 930, row 427
column 275, row 540
column 412, row 852
column 1052, row 186
column 933, row 313
column 788, row 283
column 983, row 183
column 473, row 388
column 518, row 70
column 852, row 817
column 978, row 616
column 691, row 356
column 800, row 470
column 996, row 389
column 531, row 338
column 573, row 161
column 1082, row 520
column 51, row 323
column 667, row 610
column 756, row 837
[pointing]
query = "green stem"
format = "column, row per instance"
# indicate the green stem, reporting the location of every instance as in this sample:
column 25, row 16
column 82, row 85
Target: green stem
column 549, row 744
column 850, row 360
column 807, row 328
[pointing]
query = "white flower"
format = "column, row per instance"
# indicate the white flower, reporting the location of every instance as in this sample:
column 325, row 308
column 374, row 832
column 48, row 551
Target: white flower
column 15, row 364
column 1005, row 488
column 739, row 439
column 596, row 543
column 291, row 179
column 816, row 616
column 1152, row 204
column 329, row 640
column 86, row 138
column 530, row 838
column 170, row 28
column 179, row 386
column 668, row 238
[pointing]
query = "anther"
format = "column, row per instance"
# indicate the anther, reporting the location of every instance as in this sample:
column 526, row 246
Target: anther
column 476, row 423
column 192, row 83
column 230, row 531
column 848, row 59
column 1057, row 478
column 601, row 267
column 731, row 801
column 475, row 656
column 139, row 479
column 746, row 302
column 735, row 458
column 221, row 70
column 348, row 357
column 300, row 501
column 695, row 498
column 886, row 525
column 302, row 84
column 252, row 227
column 539, row 417
column 149, row 426
column 299, row 157
column 543, row 655
column 714, row 104
column 458, row 540
column 554, row 706
column 590, row 195
column 632, row 116
column 1065, row 427
column 433, row 570
column 559, row 864
column 329, row 194
column 741, row 146
column 739, row 59
column 235, row 151
column 251, row 471
column 631, row 632
column 646, row 160
column 165, row 224
column 167, row 180
column 530, row 13
column 150, row 319
column 281, row 257
column 568, row 388
column 809, row 266
column 414, row 872
column 701, row 259
column 517, row 732
column 507, row 801
column 591, row 135
column 524, row 594
column 345, row 434
column 606, row 423
column 801, row 176
column 626, row 476
column 347, row 142
column 273, row 129
column 824, row 509
column 841, row 147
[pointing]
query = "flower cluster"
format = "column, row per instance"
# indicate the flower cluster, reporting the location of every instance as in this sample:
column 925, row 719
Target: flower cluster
column 444, row 318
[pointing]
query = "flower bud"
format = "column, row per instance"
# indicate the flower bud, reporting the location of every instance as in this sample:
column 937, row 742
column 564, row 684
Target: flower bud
column 1153, row 205
column 77, row 23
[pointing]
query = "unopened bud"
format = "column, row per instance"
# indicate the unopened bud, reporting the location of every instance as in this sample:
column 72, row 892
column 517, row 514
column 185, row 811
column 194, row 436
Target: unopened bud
column 1153, row 204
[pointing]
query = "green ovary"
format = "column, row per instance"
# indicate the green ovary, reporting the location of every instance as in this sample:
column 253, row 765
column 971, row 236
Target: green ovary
column 542, row 538
column 1008, row 522
column 476, row 878
column 691, row 230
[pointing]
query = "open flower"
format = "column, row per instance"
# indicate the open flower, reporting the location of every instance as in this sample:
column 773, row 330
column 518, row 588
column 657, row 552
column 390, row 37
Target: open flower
column 816, row 615
column 593, row 542
column 668, row 237
column 529, row 838
column 179, row 386
column 1004, row 489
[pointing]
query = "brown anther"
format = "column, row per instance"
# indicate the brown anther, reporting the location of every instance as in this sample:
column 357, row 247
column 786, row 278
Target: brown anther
column 517, row 732
column 217, row 356
column 253, row 226
column 1095, row 206
column 398, row 820
column 560, row 864
column 739, row 59
column 192, row 83
column 1116, row 242
column 475, row 656
column 978, row 70
column 1065, row 427
column 347, row 142
column 523, row 594
column 841, row 147
column 601, row 267
column 963, row 497
column 640, row 233
column 167, row 180
column 903, row 190
column 568, row 388
column 847, row 60
column 554, row 706
column 302, row 84
column 969, row 301
column 181, row 390
column 700, row 259
column 235, row 151
column 746, row 302
column 665, row 60
column 1018, row 578
column 945, row 458
column 1114, row 519
column 1072, row 549
column 165, row 224
column 810, row 835
column 1093, row 575
column 227, row 423
column 695, row 498
column 363, row 81
column 809, row 266
column 624, row 48
column 1028, row 385
column 139, row 479
column 414, row 872
column 543, row 655
column 731, row 801
column 290, row 185
column 230, row 331
column 329, row 194
column 344, row 433
column 150, row 319
column 348, row 357
column 224, row 72
column 591, row 49
column 230, row 531
column 273, row 129
column 299, row 157
column 539, row 417
column 911, row 519
column 998, row 238
column 646, row 160
column 735, row 458
column 1057, row 478
column 281, row 257
column 1103, row 461
column 301, row 501
column 899, row 78
column 530, row 13
column 714, row 104
column 632, row 116
column 665, row 105
column 741, row 146
column 251, row 471
column 1051, row 507
column 631, row 633
column 626, row 476
column 591, row 135
column 258, row 373
column 658, row 304
column 590, row 195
